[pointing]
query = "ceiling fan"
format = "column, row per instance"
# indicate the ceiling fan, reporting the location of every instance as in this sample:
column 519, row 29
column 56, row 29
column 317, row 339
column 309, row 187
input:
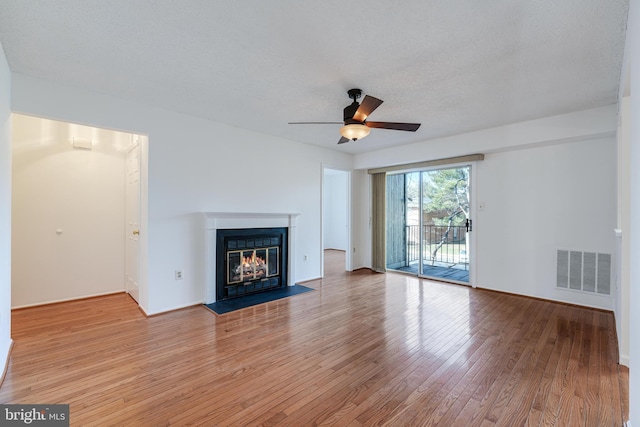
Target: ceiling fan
column 355, row 116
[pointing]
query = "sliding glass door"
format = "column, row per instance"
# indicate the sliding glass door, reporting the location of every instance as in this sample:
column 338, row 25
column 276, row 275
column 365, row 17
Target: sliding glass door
column 428, row 223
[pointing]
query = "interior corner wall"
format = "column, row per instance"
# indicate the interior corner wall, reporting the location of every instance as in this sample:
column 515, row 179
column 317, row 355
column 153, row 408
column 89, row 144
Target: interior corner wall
column 192, row 168
column 335, row 211
column 68, row 210
column 5, row 210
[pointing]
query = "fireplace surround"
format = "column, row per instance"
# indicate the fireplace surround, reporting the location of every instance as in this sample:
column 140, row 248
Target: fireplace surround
column 250, row 260
column 255, row 270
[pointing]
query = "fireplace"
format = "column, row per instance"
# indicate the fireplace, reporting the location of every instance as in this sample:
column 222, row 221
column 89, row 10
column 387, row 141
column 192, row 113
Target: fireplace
column 250, row 260
column 215, row 259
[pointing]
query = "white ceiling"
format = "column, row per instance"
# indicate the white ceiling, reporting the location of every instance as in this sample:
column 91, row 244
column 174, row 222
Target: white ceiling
column 452, row 65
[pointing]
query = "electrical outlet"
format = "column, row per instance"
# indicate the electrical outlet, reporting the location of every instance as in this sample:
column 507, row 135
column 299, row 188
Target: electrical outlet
column 306, row 257
column 178, row 274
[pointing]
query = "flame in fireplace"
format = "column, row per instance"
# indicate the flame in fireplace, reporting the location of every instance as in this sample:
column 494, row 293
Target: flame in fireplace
column 250, row 267
column 252, row 264
column 253, row 260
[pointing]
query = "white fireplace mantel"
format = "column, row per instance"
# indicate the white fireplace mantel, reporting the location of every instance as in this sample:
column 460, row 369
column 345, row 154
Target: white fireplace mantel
column 230, row 220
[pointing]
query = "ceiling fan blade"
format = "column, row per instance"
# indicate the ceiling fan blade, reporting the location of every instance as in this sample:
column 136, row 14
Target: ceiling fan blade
column 411, row 127
column 343, row 140
column 316, row 123
column 367, row 106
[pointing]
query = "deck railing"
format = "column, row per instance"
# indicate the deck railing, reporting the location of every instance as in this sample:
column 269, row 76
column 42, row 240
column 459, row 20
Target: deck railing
column 440, row 247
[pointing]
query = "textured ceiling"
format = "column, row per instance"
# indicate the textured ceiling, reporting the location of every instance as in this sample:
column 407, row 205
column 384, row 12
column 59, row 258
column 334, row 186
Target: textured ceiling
column 452, row 65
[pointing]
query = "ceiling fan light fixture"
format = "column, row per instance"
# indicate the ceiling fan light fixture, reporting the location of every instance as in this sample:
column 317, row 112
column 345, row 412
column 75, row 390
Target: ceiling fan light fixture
column 354, row 131
column 356, row 123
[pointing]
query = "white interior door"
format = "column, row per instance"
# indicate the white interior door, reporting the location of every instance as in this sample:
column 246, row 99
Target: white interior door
column 133, row 219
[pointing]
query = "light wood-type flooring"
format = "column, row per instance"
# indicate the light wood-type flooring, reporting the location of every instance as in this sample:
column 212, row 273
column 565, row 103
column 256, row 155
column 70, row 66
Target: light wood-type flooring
column 362, row 349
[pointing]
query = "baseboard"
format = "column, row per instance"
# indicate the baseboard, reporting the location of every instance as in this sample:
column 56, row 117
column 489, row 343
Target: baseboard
column 624, row 360
column 38, row 304
column 363, row 268
column 169, row 310
column 6, row 362
column 571, row 304
column 144, row 313
column 300, row 282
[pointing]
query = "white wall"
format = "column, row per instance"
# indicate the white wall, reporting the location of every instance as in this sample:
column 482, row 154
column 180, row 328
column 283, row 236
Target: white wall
column 335, row 210
column 5, row 210
column 631, row 57
column 68, row 211
column 547, row 184
column 624, row 222
column 576, row 126
column 540, row 200
column 361, row 219
column 196, row 165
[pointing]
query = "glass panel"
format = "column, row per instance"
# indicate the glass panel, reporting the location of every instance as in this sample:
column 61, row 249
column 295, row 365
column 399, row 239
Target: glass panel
column 412, row 191
column 252, row 264
column 445, row 209
column 248, row 265
column 233, row 267
column 272, row 261
column 260, row 263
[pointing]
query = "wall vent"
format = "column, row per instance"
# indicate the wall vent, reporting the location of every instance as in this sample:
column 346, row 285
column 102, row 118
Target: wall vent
column 584, row 271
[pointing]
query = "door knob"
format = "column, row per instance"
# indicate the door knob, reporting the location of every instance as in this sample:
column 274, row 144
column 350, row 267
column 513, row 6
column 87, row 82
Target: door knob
column 136, row 232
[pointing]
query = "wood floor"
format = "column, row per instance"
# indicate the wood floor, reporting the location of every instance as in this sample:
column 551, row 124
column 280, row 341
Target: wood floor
column 362, row 349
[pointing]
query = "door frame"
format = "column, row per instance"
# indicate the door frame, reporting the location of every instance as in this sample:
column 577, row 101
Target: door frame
column 472, row 214
column 349, row 207
column 130, row 259
column 143, row 242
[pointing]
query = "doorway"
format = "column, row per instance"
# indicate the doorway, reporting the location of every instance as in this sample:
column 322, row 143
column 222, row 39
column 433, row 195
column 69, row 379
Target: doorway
column 429, row 223
column 69, row 210
column 336, row 214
